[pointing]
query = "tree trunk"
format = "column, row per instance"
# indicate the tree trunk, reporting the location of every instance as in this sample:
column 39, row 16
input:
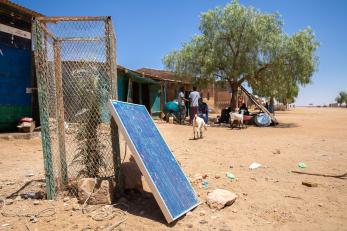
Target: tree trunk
column 234, row 93
column 272, row 106
column 285, row 103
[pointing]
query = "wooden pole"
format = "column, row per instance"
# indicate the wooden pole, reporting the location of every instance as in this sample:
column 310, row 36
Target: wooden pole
column 60, row 111
column 130, row 91
column 41, row 64
column 111, row 59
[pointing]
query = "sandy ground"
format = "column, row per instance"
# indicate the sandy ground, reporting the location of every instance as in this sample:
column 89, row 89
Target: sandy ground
column 269, row 198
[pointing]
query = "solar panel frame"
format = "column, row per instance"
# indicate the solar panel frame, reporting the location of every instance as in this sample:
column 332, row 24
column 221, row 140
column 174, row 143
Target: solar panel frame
column 169, row 218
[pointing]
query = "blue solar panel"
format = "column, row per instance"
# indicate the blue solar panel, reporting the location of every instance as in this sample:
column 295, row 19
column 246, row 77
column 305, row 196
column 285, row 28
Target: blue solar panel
column 168, row 183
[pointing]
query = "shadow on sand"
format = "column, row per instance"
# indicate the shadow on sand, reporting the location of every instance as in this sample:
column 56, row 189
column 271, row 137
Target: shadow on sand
column 144, row 205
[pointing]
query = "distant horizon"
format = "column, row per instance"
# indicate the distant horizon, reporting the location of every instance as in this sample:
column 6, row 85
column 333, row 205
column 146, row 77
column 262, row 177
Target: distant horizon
column 148, row 30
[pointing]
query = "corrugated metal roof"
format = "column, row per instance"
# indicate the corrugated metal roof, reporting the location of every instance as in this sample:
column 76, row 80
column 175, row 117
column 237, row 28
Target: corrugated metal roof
column 20, row 8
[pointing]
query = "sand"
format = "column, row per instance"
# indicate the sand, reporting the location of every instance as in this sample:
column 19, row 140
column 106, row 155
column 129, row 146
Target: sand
column 269, row 198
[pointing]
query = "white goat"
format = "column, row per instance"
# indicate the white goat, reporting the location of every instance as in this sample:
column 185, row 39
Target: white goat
column 198, row 123
column 238, row 118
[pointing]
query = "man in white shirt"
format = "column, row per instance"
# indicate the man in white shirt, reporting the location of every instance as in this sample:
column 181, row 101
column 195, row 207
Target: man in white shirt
column 194, row 97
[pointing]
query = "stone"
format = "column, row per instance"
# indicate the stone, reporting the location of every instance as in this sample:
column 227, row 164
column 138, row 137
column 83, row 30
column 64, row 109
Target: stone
column 36, row 203
column 190, row 226
column 202, row 213
column 219, row 198
column 277, row 151
column 132, row 177
column 75, row 207
column 217, row 176
column 100, row 195
column 203, row 222
column 9, row 202
column 309, row 184
column 66, row 199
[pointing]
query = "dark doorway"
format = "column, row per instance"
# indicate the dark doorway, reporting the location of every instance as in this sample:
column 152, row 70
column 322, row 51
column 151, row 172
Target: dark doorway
column 135, row 90
column 145, row 97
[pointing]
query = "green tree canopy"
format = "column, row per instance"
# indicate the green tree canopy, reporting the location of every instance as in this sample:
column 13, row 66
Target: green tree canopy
column 342, row 98
column 241, row 44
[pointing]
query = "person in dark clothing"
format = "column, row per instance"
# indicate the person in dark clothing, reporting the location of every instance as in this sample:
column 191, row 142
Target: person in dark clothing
column 244, row 108
column 203, row 110
column 225, row 115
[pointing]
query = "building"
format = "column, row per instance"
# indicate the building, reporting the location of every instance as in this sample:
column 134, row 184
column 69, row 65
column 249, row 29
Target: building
column 18, row 95
column 147, row 88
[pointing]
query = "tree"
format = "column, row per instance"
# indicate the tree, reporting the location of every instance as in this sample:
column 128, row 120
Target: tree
column 342, row 98
column 240, row 44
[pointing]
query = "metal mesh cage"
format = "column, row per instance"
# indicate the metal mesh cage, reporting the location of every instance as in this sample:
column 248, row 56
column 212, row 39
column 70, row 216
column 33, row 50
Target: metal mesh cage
column 76, row 75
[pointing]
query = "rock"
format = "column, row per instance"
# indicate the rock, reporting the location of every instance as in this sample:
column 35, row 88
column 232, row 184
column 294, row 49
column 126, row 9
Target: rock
column 30, row 175
column 204, row 176
column 277, row 151
column 132, row 177
column 75, row 207
column 309, row 184
column 234, row 210
column 36, row 203
column 18, row 198
column 320, row 205
column 5, row 225
column 33, row 219
column 203, row 222
column 219, row 198
column 202, row 213
column 217, row 176
column 100, row 195
column 66, row 199
column 10, row 183
column 190, row 226
column 9, row 202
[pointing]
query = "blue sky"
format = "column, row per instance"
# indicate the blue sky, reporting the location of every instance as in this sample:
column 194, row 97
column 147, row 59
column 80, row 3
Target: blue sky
column 147, row 30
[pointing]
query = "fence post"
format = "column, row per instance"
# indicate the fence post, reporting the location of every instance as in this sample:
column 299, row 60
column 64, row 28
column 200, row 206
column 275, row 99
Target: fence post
column 111, row 57
column 41, row 63
column 60, row 111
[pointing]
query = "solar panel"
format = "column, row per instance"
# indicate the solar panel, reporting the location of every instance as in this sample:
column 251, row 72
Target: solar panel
column 168, row 183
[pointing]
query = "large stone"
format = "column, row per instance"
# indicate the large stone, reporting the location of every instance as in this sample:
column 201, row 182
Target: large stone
column 99, row 192
column 132, row 177
column 219, row 198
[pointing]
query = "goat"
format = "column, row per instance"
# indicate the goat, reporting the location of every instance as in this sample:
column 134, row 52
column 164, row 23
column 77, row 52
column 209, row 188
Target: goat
column 238, row 118
column 198, row 123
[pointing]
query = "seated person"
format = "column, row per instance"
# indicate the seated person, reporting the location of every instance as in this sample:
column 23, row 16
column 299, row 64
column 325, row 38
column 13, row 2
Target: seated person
column 225, row 116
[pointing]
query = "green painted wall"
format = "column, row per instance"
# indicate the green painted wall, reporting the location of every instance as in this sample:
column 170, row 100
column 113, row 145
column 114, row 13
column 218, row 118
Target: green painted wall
column 10, row 115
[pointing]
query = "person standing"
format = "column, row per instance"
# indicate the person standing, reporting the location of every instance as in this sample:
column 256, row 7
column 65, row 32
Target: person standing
column 181, row 106
column 194, row 97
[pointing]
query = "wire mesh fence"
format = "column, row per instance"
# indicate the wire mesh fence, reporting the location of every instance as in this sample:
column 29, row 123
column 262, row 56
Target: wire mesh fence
column 76, row 74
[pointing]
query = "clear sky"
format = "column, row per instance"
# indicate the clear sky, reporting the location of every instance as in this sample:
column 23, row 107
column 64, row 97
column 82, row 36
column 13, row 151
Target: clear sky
column 148, row 29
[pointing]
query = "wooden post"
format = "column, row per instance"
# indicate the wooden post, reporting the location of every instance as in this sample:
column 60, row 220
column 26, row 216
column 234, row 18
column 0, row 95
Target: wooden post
column 111, row 59
column 41, row 64
column 162, row 95
column 60, row 111
column 130, row 91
